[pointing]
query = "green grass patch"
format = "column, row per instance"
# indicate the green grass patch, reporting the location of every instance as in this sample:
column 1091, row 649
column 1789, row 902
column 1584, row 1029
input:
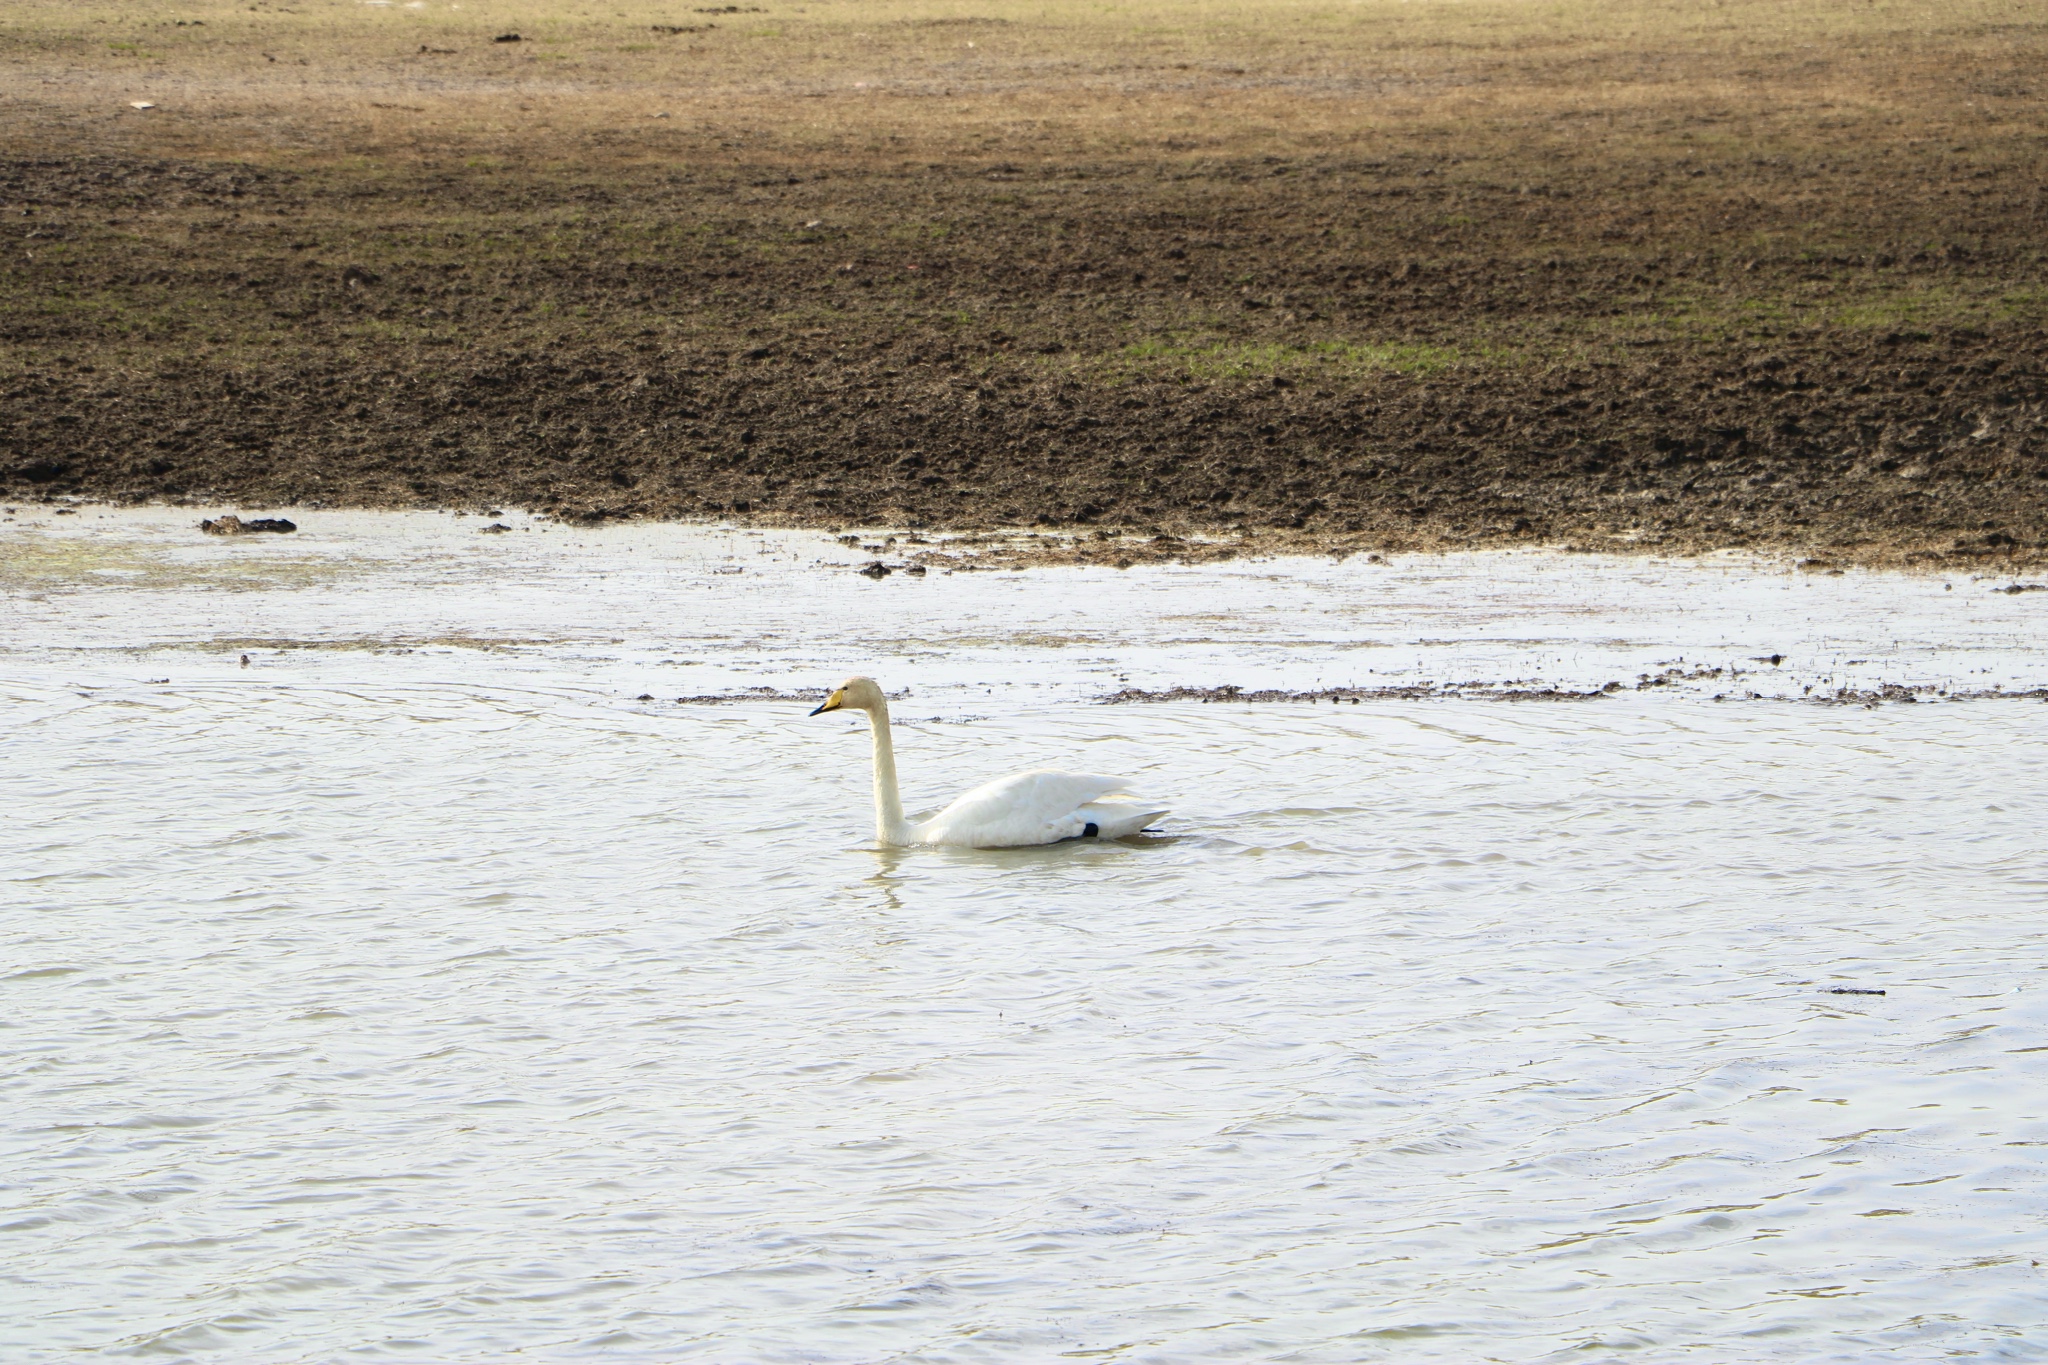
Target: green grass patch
column 1866, row 306
column 1242, row 360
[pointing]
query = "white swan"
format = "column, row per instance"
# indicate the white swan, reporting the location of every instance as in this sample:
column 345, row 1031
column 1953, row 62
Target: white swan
column 1038, row 807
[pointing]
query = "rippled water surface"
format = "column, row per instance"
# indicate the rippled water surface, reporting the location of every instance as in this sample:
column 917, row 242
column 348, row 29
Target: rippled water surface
column 437, row 987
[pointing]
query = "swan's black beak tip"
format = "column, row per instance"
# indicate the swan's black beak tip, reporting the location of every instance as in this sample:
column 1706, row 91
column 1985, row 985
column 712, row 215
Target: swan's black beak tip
column 821, row 708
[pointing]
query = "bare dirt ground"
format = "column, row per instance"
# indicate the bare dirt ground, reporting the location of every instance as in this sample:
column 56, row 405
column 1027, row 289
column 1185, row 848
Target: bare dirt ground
column 1313, row 275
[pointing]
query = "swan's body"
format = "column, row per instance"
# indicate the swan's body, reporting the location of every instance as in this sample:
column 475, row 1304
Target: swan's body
column 1040, row 807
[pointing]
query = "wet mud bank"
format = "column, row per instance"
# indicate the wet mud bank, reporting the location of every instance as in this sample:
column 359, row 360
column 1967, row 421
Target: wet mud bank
column 1021, row 372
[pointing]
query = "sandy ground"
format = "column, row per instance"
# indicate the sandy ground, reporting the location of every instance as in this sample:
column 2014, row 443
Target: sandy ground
column 1371, row 276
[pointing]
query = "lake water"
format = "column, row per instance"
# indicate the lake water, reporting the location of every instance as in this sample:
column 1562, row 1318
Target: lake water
column 437, row 987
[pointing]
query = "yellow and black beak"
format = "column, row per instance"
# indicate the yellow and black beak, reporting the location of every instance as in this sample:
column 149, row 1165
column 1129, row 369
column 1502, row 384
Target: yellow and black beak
column 832, row 703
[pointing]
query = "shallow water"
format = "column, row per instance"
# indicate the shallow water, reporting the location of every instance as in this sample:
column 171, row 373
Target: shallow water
column 418, row 991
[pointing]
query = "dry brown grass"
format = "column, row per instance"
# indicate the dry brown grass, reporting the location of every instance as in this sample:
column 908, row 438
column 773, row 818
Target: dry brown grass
column 899, row 78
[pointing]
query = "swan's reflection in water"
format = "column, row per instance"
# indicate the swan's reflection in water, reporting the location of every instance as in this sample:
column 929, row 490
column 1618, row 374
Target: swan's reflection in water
column 888, row 859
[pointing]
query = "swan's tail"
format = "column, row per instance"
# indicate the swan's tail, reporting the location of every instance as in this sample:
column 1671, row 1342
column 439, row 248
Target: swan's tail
column 1117, row 819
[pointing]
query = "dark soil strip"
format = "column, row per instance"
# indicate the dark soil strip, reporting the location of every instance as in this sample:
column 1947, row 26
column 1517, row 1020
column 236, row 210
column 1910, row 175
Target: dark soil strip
column 1414, row 352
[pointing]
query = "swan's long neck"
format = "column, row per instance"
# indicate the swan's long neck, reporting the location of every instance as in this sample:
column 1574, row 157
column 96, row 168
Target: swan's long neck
column 890, row 826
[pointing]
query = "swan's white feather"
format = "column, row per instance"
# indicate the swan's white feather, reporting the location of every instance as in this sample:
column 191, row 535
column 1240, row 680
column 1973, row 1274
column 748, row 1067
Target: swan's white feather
column 1039, row 807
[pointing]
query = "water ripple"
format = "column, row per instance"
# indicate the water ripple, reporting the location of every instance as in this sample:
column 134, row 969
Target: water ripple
column 452, row 1017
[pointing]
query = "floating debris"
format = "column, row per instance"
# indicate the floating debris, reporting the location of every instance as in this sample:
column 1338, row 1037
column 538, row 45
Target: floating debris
column 235, row 526
column 1338, row 696
column 802, row 696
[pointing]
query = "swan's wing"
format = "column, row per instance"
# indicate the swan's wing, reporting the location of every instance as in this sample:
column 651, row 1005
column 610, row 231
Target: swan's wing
column 1024, row 808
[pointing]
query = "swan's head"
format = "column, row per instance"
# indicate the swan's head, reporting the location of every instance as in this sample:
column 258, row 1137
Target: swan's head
column 855, row 694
